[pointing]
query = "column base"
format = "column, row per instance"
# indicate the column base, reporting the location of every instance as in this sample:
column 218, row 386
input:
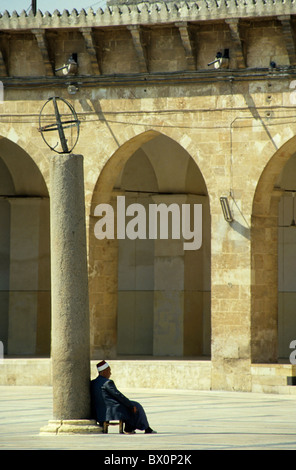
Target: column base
column 71, row 426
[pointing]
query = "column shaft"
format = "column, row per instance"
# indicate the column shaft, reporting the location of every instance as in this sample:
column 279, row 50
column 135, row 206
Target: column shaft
column 69, row 281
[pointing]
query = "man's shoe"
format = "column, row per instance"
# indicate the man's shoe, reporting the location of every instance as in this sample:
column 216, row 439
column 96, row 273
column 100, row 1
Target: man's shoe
column 150, row 431
column 128, row 430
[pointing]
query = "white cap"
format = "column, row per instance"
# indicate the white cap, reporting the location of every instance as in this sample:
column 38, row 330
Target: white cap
column 102, row 366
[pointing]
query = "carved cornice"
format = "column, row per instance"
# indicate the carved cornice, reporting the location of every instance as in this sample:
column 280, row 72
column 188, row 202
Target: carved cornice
column 237, row 42
column 140, row 49
column 147, row 13
column 90, row 46
column 43, row 47
column 289, row 37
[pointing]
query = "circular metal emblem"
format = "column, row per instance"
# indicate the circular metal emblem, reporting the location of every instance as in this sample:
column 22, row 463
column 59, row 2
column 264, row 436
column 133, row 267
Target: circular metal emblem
column 59, row 125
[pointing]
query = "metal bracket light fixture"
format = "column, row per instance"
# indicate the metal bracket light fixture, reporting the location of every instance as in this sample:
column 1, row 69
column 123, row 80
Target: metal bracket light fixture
column 71, row 67
column 221, row 60
column 226, row 209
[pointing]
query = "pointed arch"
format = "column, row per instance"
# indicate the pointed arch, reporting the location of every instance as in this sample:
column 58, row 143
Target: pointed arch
column 24, row 254
column 128, row 276
column 264, row 285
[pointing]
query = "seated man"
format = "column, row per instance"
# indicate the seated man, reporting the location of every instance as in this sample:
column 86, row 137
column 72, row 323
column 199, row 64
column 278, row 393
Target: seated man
column 109, row 404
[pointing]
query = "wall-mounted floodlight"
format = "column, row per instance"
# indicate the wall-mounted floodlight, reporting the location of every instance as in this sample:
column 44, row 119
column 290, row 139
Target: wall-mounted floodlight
column 221, row 60
column 226, row 209
column 71, row 67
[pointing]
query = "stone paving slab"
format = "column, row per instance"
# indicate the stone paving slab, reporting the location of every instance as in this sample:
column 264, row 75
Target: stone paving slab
column 184, row 420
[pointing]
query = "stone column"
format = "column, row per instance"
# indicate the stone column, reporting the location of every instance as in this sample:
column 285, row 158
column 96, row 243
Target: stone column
column 70, row 311
column 168, row 288
column 178, row 287
column 264, row 315
column 230, row 307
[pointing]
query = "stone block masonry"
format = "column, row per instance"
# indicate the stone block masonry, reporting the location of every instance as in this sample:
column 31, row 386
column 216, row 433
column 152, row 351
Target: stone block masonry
column 157, row 123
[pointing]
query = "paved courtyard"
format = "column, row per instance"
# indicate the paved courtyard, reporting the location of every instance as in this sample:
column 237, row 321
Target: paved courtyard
column 184, row 420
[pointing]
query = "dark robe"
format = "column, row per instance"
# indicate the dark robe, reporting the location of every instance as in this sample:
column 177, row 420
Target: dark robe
column 108, row 404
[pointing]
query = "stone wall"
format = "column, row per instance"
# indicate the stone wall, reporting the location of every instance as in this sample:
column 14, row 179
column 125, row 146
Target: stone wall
column 136, row 85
